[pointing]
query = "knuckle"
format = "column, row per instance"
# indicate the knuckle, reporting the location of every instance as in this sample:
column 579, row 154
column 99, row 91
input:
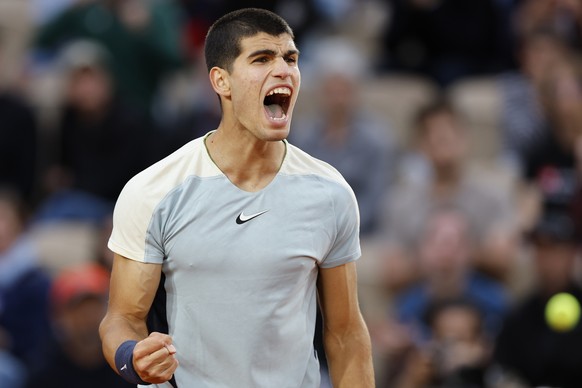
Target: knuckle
column 144, row 367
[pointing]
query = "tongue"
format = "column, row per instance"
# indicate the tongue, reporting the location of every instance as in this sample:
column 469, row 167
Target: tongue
column 275, row 110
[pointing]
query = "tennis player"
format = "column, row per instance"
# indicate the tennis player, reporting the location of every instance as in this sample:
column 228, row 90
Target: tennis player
column 223, row 248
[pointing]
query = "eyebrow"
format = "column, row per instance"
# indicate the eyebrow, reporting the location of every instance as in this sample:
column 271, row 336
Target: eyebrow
column 272, row 53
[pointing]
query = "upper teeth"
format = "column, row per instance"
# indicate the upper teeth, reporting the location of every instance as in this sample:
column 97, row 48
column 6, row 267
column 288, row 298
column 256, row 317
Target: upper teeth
column 285, row 91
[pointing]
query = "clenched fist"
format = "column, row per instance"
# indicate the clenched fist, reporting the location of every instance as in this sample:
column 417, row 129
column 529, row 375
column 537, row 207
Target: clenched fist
column 154, row 358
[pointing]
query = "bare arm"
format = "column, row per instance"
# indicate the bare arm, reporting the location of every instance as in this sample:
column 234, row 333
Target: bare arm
column 346, row 338
column 133, row 287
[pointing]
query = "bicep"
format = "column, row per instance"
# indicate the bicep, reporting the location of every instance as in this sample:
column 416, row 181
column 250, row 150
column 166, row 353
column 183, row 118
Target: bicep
column 338, row 296
column 133, row 287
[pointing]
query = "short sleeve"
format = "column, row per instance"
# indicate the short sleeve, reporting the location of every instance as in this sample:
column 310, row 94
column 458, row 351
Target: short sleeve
column 136, row 231
column 346, row 245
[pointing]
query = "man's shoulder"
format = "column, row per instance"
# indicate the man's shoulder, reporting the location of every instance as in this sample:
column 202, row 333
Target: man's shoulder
column 299, row 162
column 317, row 175
column 156, row 181
column 186, row 161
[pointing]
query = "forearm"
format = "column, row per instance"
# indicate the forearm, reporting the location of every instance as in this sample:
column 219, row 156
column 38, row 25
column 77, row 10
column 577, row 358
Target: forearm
column 115, row 329
column 349, row 356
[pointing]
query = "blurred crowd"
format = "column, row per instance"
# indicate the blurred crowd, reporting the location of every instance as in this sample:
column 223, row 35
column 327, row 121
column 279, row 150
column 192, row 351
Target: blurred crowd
column 457, row 123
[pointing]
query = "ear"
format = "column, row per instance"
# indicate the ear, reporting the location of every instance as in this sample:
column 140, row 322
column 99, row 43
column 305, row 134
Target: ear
column 219, row 79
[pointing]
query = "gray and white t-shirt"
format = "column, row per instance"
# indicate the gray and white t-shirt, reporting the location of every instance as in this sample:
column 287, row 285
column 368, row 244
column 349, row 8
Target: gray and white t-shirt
column 239, row 268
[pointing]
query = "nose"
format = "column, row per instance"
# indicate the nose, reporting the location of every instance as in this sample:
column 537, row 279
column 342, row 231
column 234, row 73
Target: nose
column 281, row 68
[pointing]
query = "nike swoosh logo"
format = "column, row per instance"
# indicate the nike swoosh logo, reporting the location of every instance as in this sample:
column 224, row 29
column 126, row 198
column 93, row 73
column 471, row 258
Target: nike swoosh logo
column 242, row 218
column 124, row 367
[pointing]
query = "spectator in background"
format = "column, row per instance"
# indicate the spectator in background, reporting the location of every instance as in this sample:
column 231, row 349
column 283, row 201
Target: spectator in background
column 101, row 142
column 446, row 272
column 73, row 356
column 446, row 275
column 550, row 167
column 523, row 119
column 18, row 130
column 448, row 39
column 143, row 38
column 24, row 285
column 187, row 108
column 563, row 17
column 442, row 141
column 344, row 134
column 526, row 346
column 457, row 354
column 303, row 15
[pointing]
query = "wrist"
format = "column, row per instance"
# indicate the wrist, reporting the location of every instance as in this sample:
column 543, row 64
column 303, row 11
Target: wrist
column 124, row 363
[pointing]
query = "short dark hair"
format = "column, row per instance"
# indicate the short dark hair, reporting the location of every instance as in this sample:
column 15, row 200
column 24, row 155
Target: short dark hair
column 222, row 45
column 436, row 307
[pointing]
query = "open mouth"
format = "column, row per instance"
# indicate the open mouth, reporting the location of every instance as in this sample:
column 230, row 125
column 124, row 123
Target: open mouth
column 277, row 102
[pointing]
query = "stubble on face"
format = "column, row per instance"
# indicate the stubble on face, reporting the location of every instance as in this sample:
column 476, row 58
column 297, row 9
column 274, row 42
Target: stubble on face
column 265, row 80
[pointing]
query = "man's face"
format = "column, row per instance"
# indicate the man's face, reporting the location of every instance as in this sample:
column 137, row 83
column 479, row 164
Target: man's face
column 555, row 262
column 443, row 141
column 338, row 94
column 89, row 89
column 264, row 83
column 445, row 245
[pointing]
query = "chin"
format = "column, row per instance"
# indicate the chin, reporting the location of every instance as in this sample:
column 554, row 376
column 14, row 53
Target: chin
column 273, row 130
column 276, row 134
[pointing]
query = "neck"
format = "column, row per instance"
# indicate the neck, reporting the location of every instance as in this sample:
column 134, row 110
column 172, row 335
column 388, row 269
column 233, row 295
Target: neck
column 92, row 113
column 446, row 178
column 249, row 163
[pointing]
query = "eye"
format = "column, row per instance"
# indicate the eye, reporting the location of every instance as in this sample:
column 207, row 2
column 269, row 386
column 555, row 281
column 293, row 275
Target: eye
column 291, row 60
column 261, row 60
